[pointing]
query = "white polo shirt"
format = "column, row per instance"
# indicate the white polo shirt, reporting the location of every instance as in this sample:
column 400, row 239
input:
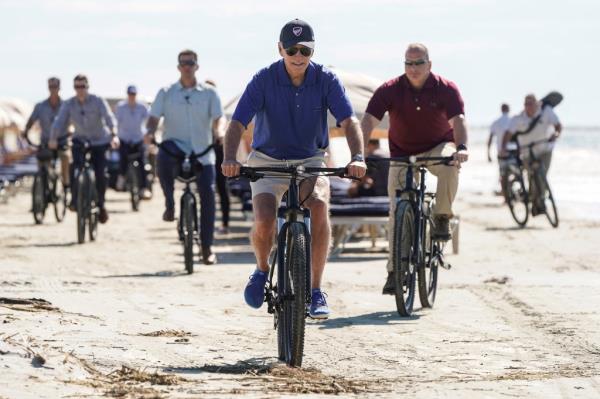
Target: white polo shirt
column 499, row 127
column 542, row 130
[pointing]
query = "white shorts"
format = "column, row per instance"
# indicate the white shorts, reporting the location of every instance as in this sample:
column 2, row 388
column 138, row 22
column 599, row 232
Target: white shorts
column 278, row 186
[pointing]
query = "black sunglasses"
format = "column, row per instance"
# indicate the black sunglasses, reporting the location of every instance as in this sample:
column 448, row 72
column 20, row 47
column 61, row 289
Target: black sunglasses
column 415, row 63
column 305, row 51
column 80, row 86
column 54, row 87
column 187, row 63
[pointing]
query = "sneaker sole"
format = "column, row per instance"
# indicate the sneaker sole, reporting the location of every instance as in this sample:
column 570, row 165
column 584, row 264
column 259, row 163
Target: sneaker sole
column 318, row 316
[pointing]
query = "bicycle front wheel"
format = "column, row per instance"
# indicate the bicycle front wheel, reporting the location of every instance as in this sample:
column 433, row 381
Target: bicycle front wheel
column 292, row 293
column 38, row 198
column 547, row 198
column 134, row 186
column 92, row 206
column 516, row 197
column 428, row 271
column 403, row 258
column 59, row 196
column 82, row 206
column 187, row 226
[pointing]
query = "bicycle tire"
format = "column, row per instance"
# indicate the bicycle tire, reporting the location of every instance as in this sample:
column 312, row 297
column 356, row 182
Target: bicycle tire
column 293, row 264
column 188, row 232
column 549, row 204
column 427, row 275
column 38, row 198
column 82, row 183
column 403, row 258
column 92, row 206
column 134, row 186
column 517, row 197
column 59, row 198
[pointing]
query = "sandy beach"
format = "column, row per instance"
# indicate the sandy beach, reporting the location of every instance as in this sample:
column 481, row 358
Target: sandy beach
column 517, row 315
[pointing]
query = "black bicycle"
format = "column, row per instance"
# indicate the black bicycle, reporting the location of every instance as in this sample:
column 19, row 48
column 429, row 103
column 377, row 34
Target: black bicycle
column 518, row 196
column 87, row 196
column 187, row 224
column 288, row 295
column 47, row 187
column 133, row 178
column 415, row 252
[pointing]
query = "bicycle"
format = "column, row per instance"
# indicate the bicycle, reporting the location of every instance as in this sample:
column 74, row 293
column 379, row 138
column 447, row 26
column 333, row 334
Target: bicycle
column 288, row 297
column 416, row 255
column 87, row 196
column 187, row 225
column 518, row 197
column 133, row 178
column 47, row 188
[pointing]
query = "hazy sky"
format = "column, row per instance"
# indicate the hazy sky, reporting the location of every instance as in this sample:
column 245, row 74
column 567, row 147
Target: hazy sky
column 494, row 50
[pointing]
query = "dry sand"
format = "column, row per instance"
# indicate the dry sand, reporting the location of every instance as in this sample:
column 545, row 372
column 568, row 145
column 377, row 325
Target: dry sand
column 517, row 315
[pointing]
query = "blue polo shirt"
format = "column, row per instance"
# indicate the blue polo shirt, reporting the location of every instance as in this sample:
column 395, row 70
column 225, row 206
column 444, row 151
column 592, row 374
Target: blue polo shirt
column 291, row 122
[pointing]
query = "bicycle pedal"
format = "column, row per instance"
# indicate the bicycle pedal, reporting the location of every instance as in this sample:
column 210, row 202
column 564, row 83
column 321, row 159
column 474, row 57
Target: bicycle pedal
column 445, row 265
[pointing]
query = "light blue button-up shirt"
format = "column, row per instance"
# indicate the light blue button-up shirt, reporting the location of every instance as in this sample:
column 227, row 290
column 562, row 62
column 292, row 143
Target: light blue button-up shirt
column 93, row 120
column 130, row 121
column 189, row 113
column 45, row 114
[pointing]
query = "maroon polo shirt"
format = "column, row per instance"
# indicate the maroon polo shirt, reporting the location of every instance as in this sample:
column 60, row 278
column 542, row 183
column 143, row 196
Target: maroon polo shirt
column 418, row 118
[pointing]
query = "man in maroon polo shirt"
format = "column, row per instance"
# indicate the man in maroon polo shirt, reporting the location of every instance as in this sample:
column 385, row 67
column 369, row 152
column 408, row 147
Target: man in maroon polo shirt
column 426, row 119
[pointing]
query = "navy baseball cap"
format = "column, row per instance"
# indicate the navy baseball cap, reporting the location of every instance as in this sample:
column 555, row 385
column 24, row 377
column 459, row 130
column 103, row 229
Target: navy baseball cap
column 297, row 32
column 131, row 89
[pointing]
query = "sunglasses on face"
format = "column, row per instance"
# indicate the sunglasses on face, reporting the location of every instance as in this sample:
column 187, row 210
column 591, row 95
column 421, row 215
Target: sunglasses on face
column 80, row 87
column 187, row 63
column 53, row 87
column 415, row 63
column 305, row 51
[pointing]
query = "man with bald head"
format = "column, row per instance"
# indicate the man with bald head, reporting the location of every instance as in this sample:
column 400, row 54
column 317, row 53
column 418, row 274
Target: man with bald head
column 426, row 119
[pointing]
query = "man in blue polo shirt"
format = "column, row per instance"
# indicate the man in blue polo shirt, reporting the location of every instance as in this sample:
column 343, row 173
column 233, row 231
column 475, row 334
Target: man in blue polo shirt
column 290, row 99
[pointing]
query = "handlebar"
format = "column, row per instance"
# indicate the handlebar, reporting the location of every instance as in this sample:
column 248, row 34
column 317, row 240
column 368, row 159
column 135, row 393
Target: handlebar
column 256, row 173
column 412, row 160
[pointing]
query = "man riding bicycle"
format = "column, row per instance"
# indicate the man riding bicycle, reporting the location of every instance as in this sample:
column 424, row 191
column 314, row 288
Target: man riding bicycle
column 45, row 113
column 94, row 124
column 191, row 112
column 131, row 116
column 427, row 120
column 290, row 99
column 545, row 126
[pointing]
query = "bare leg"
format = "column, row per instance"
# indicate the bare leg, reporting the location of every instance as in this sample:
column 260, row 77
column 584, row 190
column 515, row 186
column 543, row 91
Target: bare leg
column 321, row 237
column 264, row 208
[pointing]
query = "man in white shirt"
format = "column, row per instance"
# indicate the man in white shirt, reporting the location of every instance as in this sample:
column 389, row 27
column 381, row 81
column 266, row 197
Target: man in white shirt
column 547, row 126
column 131, row 116
column 497, row 131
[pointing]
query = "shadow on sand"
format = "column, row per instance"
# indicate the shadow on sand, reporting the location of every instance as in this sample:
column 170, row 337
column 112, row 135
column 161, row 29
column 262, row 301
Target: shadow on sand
column 370, row 319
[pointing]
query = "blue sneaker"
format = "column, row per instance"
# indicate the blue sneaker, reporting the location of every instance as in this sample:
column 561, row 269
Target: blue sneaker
column 254, row 294
column 318, row 305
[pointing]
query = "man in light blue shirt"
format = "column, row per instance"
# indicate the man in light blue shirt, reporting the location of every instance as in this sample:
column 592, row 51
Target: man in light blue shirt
column 191, row 112
column 45, row 113
column 131, row 116
column 94, row 123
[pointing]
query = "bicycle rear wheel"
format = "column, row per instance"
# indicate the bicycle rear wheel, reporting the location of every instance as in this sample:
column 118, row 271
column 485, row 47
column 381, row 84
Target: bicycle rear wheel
column 403, row 258
column 82, row 206
column 38, row 198
column 59, row 196
column 134, row 186
column 92, row 204
column 428, row 271
column 516, row 197
column 187, row 225
column 292, row 288
column 548, row 198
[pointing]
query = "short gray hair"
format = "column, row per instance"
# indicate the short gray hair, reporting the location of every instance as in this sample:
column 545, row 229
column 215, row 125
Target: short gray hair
column 418, row 47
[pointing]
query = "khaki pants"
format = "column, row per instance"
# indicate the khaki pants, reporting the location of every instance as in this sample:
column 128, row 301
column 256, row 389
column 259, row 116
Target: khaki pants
column 544, row 158
column 447, row 185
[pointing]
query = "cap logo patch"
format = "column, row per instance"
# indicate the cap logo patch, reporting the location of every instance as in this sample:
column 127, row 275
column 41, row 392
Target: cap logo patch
column 297, row 30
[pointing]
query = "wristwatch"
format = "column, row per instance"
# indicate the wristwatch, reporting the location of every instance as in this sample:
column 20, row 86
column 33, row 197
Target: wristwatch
column 461, row 147
column 358, row 158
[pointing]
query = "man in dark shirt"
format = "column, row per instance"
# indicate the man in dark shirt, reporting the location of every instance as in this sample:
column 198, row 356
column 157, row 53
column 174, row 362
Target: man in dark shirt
column 426, row 119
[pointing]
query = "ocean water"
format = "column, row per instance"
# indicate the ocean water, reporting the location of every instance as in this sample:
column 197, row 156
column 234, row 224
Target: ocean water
column 574, row 174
